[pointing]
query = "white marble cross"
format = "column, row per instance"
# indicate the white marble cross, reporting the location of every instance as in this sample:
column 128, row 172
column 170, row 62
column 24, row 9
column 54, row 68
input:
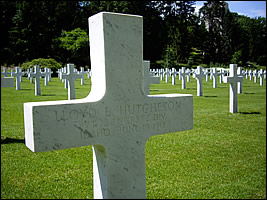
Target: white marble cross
column 250, row 74
column 233, row 79
column 199, row 75
column 161, row 72
column 46, row 76
column 50, row 72
column 214, row 77
column 261, row 77
column 167, row 75
column 117, row 118
column 29, row 75
column 183, row 74
column 255, row 74
column 240, row 83
column 18, row 75
column 70, row 77
column 59, row 71
column 5, row 73
column 188, row 73
column 206, row 72
column 148, row 78
column 221, row 74
column 37, row 74
column 89, row 73
column 82, row 72
column 174, row 73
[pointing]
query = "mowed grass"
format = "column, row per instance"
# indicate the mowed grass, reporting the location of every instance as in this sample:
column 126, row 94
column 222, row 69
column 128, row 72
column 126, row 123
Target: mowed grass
column 222, row 157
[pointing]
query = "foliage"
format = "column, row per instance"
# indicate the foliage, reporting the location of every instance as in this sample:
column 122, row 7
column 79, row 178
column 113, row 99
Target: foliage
column 76, row 43
column 58, row 30
column 42, row 62
column 237, row 57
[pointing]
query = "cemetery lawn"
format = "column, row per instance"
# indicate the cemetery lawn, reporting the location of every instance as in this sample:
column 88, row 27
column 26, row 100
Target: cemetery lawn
column 222, row 157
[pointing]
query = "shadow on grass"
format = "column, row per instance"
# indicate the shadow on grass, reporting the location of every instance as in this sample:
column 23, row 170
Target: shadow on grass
column 249, row 113
column 48, row 95
column 190, row 89
column 210, row 96
column 248, row 93
column 8, row 140
column 25, row 89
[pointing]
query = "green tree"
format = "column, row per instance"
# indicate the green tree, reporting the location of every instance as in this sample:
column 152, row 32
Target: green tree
column 76, row 45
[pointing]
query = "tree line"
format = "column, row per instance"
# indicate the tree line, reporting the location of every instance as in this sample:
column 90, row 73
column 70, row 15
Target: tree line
column 174, row 35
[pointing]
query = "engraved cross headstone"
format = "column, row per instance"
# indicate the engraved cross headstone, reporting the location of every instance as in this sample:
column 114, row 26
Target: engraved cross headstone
column 233, row 78
column 117, row 118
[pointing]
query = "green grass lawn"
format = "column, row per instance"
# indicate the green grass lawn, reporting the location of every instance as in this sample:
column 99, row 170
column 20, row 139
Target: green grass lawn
column 222, row 157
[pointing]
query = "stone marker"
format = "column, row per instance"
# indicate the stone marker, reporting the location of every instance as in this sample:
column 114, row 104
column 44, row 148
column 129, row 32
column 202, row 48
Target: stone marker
column 70, row 77
column 117, row 118
column 233, row 79
column 37, row 74
column 18, row 75
column 7, row 82
column 199, row 75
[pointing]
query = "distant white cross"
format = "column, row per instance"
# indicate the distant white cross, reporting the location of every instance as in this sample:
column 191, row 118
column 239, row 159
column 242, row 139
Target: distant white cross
column 233, row 79
column 71, row 76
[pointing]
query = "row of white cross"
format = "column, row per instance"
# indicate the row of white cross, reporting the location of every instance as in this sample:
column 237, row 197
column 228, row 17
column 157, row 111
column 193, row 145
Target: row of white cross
column 69, row 74
column 212, row 72
column 118, row 116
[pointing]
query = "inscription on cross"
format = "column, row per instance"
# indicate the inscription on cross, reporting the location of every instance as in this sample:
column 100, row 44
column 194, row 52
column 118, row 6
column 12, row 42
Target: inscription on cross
column 117, row 118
